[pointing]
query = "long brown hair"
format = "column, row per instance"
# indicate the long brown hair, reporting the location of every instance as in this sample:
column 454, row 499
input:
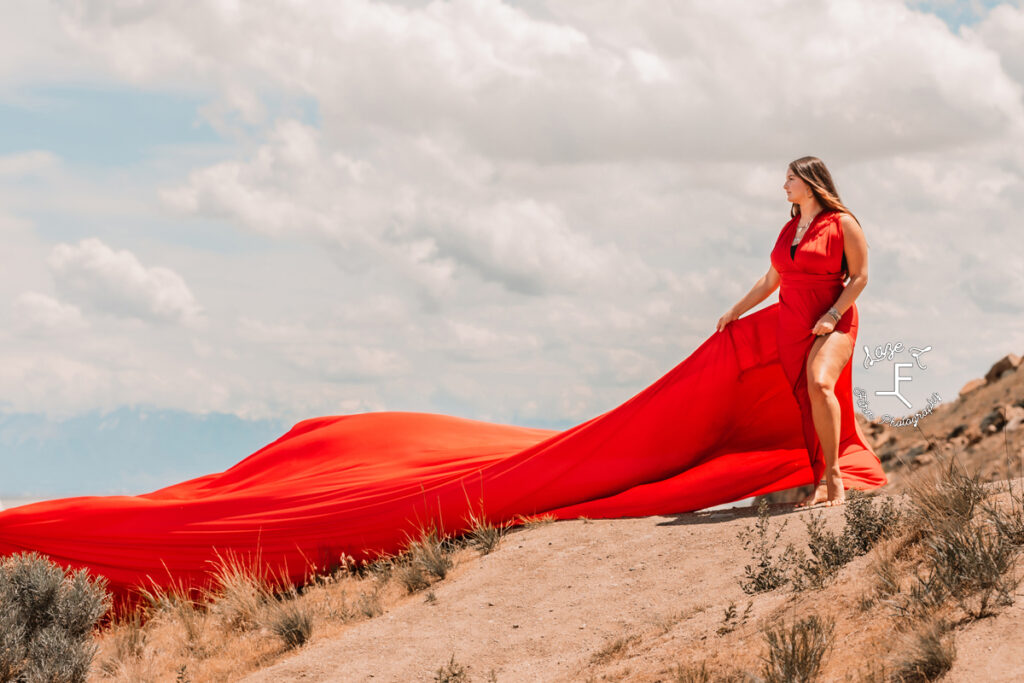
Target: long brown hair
column 813, row 171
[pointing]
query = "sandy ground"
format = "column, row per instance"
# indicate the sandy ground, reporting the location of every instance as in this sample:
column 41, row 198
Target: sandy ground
column 540, row 605
column 549, row 603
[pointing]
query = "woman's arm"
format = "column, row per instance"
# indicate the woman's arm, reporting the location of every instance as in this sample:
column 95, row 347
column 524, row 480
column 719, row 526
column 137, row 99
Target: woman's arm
column 856, row 248
column 768, row 283
column 761, row 290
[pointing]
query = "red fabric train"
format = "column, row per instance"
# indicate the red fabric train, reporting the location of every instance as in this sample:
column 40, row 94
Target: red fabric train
column 728, row 422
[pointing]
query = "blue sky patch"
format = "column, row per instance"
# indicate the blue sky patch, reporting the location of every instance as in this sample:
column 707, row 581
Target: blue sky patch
column 956, row 13
column 115, row 126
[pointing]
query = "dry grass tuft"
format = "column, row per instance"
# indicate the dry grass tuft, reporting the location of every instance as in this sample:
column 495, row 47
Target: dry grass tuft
column 241, row 595
column 614, row 649
column 796, row 652
column 884, row 570
column 452, row 672
column 292, row 621
column 929, row 652
column 531, row 521
column 483, row 535
column 942, row 496
column 431, row 553
column 703, row 673
column 972, row 564
column 177, row 603
column 129, row 640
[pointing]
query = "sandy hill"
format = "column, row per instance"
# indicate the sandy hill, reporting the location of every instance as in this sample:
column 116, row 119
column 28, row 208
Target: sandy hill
column 654, row 598
column 627, row 599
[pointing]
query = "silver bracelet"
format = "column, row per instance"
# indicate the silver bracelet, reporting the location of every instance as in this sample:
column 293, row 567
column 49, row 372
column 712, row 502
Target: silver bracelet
column 834, row 312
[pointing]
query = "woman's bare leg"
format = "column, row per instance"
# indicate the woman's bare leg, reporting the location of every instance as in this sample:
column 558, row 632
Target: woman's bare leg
column 828, row 355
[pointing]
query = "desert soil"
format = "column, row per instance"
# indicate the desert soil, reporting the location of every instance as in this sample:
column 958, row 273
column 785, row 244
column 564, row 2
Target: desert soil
column 622, row 599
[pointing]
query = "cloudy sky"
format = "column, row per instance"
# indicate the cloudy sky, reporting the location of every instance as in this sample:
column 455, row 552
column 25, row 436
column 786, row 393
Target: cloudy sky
column 520, row 212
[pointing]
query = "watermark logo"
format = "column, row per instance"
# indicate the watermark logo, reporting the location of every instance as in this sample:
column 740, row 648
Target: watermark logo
column 888, row 354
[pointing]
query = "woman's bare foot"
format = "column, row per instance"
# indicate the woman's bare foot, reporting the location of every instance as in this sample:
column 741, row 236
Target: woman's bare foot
column 836, row 492
column 818, row 495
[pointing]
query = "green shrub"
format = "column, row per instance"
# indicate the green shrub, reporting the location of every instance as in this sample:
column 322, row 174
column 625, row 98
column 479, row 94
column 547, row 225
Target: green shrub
column 768, row 571
column 867, row 524
column 829, row 552
column 47, row 615
column 864, row 525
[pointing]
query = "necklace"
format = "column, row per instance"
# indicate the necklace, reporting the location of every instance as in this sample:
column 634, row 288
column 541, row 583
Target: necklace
column 801, row 229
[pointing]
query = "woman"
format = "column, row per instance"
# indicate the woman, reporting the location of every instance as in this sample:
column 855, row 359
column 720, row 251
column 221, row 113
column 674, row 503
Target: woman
column 816, row 251
column 720, row 426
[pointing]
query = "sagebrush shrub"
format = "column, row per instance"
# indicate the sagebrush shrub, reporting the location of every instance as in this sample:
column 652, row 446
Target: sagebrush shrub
column 867, row 524
column 863, row 526
column 972, row 564
column 47, row 615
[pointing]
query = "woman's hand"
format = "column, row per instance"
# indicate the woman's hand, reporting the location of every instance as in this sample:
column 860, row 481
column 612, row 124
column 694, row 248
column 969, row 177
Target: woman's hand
column 729, row 316
column 825, row 324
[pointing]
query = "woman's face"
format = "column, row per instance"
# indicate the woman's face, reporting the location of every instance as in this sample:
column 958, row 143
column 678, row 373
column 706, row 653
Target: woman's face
column 796, row 189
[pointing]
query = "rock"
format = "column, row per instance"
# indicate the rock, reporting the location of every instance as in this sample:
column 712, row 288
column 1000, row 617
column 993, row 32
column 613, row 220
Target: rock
column 871, row 427
column 917, row 448
column 885, row 455
column 1008, row 362
column 971, row 386
column 1014, row 418
column 1001, row 417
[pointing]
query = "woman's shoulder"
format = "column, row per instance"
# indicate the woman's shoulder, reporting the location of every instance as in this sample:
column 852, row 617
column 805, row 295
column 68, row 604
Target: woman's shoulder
column 843, row 217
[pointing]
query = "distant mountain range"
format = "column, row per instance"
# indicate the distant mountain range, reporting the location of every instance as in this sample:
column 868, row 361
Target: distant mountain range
column 125, row 451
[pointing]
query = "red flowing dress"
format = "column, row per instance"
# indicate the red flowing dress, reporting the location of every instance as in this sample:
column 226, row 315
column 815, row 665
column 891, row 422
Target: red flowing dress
column 811, row 280
column 728, row 422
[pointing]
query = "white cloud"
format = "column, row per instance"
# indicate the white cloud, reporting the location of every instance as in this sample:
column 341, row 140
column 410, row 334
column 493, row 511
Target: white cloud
column 425, row 206
column 96, row 275
column 35, row 312
column 1002, row 31
column 496, row 210
column 995, row 287
column 35, row 162
column 594, row 81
